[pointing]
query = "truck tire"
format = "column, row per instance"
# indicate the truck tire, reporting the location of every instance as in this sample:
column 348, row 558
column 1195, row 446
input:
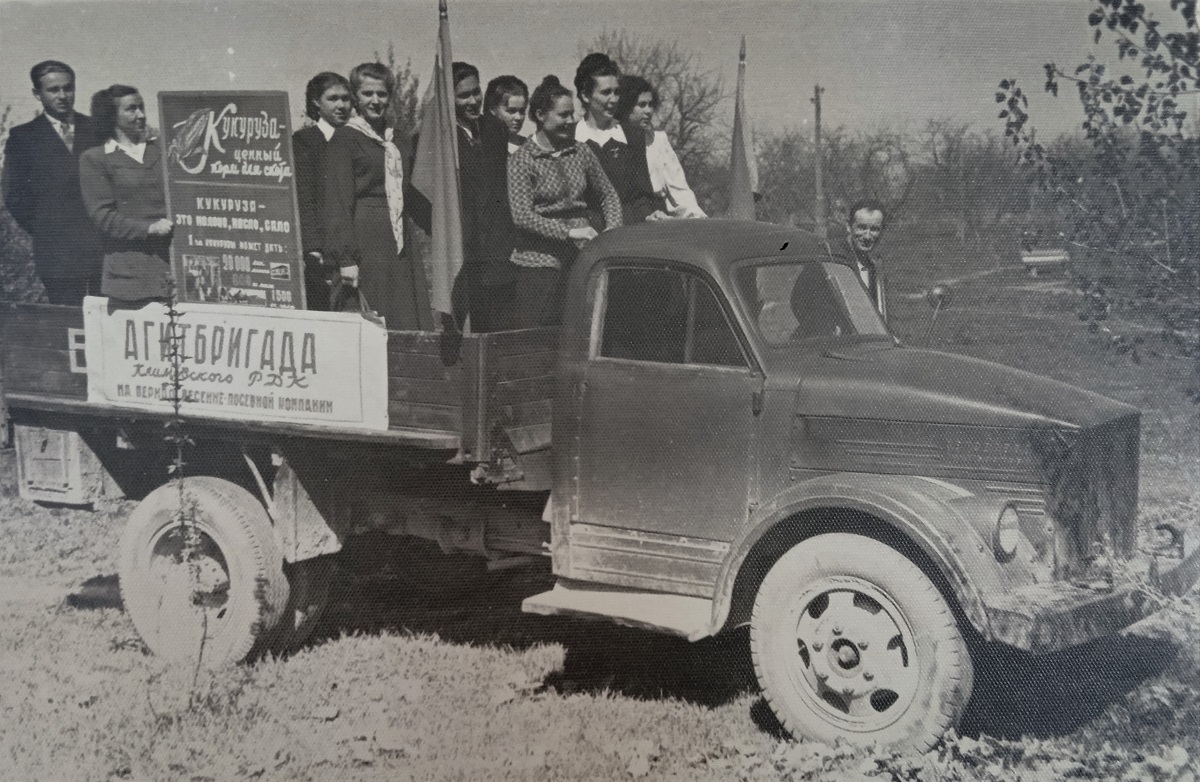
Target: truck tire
column 308, row 596
column 221, row 605
column 851, row 640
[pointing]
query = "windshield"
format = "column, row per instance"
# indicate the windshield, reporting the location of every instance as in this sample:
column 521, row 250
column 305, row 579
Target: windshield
column 792, row 302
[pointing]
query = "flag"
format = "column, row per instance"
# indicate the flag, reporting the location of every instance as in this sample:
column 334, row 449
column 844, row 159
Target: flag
column 435, row 172
column 743, row 168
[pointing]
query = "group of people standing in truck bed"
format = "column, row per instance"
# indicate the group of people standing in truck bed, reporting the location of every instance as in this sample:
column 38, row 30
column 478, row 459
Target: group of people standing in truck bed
column 528, row 203
column 89, row 191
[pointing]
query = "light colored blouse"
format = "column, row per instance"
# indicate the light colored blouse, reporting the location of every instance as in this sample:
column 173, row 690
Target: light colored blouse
column 667, row 178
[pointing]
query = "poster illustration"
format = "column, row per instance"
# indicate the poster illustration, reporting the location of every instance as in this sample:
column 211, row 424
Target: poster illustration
column 231, row 191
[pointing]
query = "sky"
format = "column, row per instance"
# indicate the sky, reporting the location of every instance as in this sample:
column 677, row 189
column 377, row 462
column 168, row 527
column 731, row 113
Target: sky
column 882, row 62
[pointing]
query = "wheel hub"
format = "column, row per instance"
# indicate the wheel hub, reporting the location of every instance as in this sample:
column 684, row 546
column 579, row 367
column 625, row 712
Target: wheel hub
column 854, row 649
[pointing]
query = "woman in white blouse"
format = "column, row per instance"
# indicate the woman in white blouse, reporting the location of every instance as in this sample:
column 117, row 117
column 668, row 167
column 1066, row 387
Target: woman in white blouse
column 636, row 106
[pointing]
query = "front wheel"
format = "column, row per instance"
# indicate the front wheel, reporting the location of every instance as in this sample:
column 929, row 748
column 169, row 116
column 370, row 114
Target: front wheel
column 851, row 640
column 202, row 572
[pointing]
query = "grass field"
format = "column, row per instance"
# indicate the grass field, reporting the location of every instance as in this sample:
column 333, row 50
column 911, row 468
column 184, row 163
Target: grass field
column 398, row 686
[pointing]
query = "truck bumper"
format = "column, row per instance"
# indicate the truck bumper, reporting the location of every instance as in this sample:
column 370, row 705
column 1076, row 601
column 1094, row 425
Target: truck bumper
column 1047, row 617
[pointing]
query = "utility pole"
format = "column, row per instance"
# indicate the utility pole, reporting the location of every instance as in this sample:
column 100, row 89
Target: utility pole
column 819, row 166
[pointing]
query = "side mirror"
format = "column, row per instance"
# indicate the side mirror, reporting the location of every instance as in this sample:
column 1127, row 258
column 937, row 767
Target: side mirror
column 938, row 297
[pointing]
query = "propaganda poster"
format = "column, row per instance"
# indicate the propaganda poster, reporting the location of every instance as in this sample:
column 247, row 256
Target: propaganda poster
column 231, row 191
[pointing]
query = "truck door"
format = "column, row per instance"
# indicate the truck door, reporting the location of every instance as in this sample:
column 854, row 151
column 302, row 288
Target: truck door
column 667, row 408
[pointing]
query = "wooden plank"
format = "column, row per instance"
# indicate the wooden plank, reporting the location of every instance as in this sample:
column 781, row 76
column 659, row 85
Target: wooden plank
column 525, row 390
column 438, row 392
column 425, row 416
column 476, row 443
column 518, row 367
column 515, row 343
column 24, row 379
column 525, row 413
column 37, row 358
column 396, row 435
column 24, row 368
column 50, row 333
column 422, row 367
column 426, row 343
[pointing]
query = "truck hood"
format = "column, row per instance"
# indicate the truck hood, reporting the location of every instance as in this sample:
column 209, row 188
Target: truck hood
column 902, row 411
column 907, row 384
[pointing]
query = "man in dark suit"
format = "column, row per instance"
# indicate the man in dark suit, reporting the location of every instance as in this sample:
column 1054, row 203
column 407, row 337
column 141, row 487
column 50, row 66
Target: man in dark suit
column 40, row 187
column 865, row 224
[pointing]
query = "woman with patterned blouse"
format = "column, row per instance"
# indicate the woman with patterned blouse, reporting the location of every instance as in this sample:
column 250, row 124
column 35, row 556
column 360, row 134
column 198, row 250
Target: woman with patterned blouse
column 550, row 179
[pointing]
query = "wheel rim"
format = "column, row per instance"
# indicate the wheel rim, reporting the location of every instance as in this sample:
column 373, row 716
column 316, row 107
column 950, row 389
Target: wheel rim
column 194, row 579
column 855, row 653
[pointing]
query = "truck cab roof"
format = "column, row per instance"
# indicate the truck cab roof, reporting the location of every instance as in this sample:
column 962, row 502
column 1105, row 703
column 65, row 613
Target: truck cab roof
column 710, row 244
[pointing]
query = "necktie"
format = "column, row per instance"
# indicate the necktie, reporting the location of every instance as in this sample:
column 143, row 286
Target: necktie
column 68, row 136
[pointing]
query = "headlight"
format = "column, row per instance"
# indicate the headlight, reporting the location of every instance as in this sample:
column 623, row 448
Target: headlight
column 1008, row 533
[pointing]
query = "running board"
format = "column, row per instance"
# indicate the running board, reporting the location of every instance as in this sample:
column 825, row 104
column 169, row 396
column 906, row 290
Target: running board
column 673, row 614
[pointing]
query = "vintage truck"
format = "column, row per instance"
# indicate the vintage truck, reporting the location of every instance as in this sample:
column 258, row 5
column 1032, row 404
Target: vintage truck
column 738, row 439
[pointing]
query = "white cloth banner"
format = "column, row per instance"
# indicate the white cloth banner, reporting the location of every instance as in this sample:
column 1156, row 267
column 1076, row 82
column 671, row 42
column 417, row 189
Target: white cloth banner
column 296, row 367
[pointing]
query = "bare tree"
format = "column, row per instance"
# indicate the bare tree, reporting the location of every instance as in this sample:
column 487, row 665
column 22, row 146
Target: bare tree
column 969, row 177
column 404, row 113
column 690, row 96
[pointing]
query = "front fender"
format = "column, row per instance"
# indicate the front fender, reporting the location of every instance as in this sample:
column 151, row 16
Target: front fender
column 931, row 513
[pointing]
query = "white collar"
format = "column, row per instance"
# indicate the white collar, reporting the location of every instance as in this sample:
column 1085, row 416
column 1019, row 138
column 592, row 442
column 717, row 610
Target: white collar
column 325, row 128
column 587, row 131
column 135, row 151
column 59, row 124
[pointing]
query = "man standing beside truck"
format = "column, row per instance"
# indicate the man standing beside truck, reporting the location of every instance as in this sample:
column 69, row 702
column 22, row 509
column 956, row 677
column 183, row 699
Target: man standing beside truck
column 864, row 226
column 40, row 187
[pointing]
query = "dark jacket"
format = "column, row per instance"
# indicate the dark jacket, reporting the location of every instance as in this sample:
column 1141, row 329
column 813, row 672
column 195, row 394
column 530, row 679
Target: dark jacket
column 123, row 198
column 487, row 226
column 627, row 169
column 41, row 191
column 309, row 148
column 845, row 253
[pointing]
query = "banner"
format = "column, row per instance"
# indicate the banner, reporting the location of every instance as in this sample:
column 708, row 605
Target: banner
column 435, row 172
column 310, row 368
column 743, row 166
column 232, row 194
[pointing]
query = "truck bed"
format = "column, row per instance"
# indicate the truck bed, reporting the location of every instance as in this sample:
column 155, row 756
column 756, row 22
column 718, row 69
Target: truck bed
column 500, row 389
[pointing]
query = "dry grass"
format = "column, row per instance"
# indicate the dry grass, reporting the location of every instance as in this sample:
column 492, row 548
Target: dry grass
column 395, row 686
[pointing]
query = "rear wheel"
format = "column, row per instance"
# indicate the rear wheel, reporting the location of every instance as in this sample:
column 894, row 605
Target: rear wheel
column 202, row 572
column 851, row 640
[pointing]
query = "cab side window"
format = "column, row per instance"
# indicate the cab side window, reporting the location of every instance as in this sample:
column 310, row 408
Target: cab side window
column 666, row 316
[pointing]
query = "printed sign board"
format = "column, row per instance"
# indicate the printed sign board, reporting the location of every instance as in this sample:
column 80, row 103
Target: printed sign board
column 231, row 191
column 309, row 368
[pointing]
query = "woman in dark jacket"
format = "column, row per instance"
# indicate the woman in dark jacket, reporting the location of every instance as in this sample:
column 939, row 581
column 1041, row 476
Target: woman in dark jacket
column 327, row 104
column 122, row 185
column 364, row 203
column 621, row 147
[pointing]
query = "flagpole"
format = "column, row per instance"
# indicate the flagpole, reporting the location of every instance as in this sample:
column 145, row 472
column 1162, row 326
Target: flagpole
column 743, row 170
column 435, row 174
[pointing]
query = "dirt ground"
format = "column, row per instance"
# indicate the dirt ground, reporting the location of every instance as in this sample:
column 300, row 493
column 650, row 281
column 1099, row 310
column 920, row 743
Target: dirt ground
column 396, row 685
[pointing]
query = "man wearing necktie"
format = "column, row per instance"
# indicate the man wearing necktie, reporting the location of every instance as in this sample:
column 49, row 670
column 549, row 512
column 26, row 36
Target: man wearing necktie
column 40, row 187
column 863, row 229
